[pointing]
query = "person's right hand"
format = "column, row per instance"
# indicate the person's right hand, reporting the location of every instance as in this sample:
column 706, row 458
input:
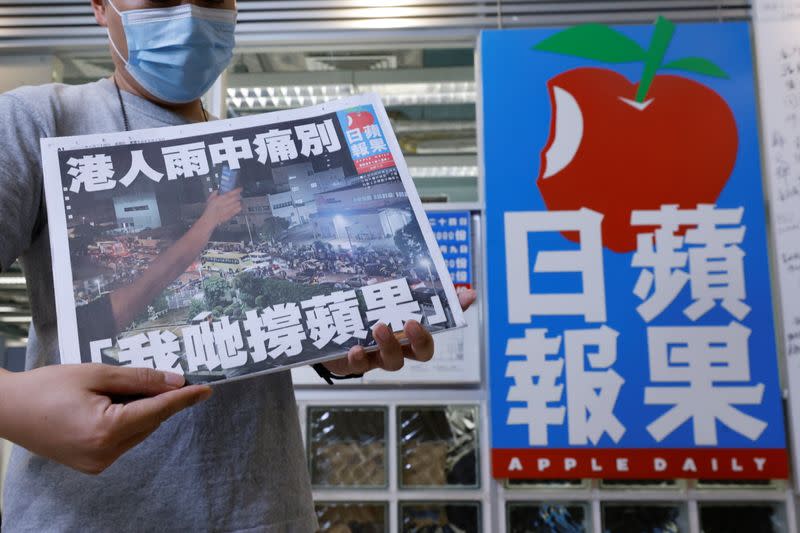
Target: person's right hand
column 220, row 208
column 67, row 412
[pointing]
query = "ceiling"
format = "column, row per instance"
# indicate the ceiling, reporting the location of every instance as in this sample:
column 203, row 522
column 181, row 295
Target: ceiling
column 69, row 24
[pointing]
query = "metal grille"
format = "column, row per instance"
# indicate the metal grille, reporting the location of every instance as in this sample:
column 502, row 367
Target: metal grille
column 68, row 23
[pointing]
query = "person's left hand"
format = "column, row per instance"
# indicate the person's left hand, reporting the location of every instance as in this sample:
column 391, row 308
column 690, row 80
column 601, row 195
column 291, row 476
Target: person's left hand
column 220, row 208
column 391, row 355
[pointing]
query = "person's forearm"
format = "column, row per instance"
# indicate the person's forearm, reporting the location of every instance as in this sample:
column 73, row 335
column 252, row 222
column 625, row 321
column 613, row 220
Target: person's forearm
column 15, row 412
column 5, row 386
column 7, row 404
column 132, row 299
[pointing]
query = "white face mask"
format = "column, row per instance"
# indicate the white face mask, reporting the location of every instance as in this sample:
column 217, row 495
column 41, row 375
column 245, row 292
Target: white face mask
column 176, row 53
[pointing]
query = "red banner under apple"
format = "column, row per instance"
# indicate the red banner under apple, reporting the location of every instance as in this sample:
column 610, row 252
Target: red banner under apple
column 640, row 464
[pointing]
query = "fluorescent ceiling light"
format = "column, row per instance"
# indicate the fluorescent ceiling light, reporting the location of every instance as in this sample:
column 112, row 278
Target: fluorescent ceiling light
column 433, row 93
column 389, row 12
column 12, row 280
column 466, row 171
column 16, row 343
column 15, row 319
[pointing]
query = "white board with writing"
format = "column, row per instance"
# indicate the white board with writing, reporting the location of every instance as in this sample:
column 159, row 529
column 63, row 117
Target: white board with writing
column 776, row 10
column 778, row 54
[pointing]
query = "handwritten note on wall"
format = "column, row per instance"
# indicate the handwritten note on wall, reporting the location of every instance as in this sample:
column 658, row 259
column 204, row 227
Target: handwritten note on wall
column 778, row 49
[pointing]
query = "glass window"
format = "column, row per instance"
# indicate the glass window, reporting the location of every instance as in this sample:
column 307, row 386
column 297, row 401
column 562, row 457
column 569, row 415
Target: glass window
column 86, row 66
column 438, row 446
column 366, row 517
column 524, row 517
column 429, row 96
column 440, row 517
column 750, row 517
column 347, row 446
column 643, row 518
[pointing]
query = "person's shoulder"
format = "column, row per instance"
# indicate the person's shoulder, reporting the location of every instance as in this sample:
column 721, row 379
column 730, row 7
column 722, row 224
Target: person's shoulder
column 26, row 109
column 45, row 103
column 31, row 105
column 48, row 92
column 29, row 92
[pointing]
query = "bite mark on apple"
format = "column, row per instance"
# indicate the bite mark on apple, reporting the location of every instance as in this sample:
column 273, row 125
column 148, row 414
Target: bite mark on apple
column 568, row 132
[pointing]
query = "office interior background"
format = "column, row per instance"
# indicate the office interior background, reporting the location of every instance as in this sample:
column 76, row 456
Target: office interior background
column 406, row 452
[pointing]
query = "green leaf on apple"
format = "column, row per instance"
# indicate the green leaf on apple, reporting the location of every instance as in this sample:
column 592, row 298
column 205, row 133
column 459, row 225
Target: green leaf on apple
column 602, row 43
column 594, row 41
column 697, row 65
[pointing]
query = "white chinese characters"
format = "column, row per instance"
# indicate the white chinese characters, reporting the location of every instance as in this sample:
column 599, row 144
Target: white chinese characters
column 96, row 172
column 524, row 301
column 702, row 373
column 710, row 249
column 592, row 385
column 535, row 384
column 276, row 332
column 698, row 375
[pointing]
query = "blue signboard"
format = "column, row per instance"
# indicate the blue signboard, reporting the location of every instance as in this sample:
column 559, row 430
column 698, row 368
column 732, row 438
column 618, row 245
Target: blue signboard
column 630, row 314
column 453, row 232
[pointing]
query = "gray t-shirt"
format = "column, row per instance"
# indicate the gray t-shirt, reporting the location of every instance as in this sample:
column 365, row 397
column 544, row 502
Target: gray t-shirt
column 233, row 463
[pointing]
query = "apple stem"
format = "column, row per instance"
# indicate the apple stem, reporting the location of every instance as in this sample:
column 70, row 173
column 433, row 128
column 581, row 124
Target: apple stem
column 662, row 36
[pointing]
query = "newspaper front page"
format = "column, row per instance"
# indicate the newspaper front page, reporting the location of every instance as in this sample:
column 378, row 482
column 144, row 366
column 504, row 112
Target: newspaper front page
column 240, row 246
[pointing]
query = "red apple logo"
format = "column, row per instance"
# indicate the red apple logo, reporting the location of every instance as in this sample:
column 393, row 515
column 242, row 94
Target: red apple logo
column 357, row 120
column 617, row 146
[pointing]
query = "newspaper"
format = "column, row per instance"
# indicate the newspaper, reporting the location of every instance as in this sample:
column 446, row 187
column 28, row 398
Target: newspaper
column 241, row 246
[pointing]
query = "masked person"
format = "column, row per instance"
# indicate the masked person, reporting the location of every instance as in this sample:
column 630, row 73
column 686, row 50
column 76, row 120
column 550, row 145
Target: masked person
column 232, row 463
